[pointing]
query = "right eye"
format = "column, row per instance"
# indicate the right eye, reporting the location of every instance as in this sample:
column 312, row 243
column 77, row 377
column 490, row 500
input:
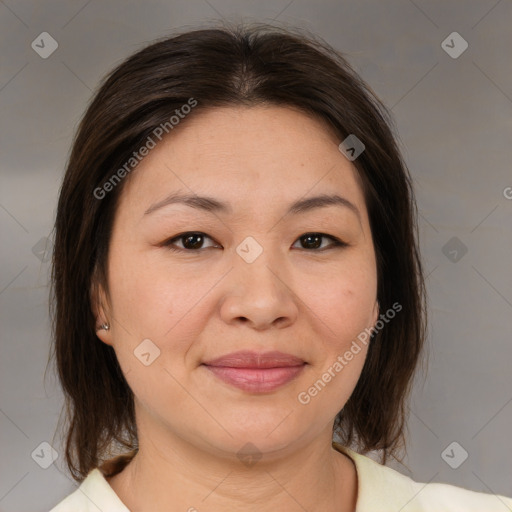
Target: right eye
column 191, row 241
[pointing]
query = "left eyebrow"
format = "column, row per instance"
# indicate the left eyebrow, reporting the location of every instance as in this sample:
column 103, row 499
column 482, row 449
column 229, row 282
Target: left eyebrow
column 212, row 205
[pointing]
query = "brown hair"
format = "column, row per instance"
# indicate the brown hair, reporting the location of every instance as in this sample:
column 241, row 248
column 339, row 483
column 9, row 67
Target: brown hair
column 228, row 66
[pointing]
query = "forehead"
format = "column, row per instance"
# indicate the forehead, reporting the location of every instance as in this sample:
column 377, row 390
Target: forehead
column 248, row 156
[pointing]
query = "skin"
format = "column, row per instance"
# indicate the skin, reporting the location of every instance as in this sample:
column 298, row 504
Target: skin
column 194, row 306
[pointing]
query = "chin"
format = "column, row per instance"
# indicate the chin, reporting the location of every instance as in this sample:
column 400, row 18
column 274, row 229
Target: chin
column 266, row 433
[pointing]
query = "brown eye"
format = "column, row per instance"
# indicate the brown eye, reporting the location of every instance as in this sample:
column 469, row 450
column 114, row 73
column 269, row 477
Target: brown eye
column 192, row 241
column 314, row 241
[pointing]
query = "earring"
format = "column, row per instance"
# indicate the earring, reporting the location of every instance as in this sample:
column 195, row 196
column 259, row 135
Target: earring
column 104, row 327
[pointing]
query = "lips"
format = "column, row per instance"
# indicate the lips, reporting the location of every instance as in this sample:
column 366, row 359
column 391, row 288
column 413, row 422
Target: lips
column 247, row 359
column 256, row 372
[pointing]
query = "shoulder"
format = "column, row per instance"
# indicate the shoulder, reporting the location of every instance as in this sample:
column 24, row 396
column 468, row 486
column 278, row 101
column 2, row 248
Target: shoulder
column 383, row 489
column 93, row 494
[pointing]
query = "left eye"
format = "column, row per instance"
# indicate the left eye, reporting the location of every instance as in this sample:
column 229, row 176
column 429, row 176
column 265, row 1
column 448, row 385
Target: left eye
column 192, row 241
column 314, row 240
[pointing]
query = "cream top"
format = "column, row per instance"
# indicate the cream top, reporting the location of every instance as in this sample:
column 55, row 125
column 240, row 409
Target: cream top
column 380, row 489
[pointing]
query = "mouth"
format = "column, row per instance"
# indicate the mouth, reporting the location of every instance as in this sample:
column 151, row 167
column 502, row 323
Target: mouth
column 256, row 372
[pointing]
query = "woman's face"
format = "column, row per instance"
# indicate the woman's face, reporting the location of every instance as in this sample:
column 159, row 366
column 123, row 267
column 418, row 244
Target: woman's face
column 251, row 281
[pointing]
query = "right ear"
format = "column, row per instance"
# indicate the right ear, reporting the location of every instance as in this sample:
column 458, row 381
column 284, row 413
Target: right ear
column 101, row 312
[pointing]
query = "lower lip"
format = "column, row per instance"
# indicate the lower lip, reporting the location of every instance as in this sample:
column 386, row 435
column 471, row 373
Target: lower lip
column 256, row 380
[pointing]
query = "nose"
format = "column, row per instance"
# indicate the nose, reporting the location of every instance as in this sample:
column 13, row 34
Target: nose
column 260, row 295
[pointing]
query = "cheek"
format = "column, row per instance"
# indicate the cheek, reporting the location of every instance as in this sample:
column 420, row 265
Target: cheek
column 344, row 302
column 148, row 304
column 144, row 296
column 345, row 309
column 155, row 301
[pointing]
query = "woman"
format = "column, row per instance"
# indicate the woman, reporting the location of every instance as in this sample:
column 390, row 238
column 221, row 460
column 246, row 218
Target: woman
column 236, row 278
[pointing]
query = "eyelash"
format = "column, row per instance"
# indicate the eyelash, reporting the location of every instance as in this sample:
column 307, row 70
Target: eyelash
column 336, row 242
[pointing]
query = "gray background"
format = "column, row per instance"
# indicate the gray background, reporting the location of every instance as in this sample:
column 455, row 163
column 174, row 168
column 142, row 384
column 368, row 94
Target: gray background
column 454, row 116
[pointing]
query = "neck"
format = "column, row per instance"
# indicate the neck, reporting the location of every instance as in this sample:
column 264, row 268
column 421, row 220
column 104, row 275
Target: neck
column 170, row 474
